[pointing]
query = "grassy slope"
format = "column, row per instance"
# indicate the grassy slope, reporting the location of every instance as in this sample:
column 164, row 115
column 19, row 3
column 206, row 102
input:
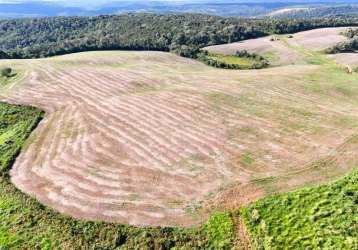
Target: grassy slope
column 26, row 224
column 16, row 124
column 324, row 217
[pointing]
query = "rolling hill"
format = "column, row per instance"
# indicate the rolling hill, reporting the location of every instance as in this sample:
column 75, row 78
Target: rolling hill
column 150, row 150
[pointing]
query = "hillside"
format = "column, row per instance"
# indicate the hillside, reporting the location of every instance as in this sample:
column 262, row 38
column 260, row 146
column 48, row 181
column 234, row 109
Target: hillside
column 228, row 8
column 149, row 150
column 315, row 11
column 285, row 49
column 224, row 133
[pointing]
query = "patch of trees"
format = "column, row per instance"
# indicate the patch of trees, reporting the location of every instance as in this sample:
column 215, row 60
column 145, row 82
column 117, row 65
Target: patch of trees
column 345, row 47
column 3, row 55
column 183, row 34
column 258, row 62
column 349, row 46
column 253, row 56
column 351, row 33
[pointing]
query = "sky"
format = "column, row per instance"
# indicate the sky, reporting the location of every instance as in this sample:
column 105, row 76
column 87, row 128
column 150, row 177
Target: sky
column 84, row 3
column 91, row 3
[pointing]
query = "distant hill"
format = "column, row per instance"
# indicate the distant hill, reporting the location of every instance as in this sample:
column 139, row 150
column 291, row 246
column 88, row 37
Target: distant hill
column 315, row 11
column 248, row 8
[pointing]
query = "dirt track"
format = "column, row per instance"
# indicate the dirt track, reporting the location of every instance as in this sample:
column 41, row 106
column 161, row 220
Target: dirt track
column 145, row 137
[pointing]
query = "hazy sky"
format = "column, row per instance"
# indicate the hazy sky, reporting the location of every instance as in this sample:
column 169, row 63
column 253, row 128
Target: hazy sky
column 89, row 4
column 37, row 8
column 93, row 2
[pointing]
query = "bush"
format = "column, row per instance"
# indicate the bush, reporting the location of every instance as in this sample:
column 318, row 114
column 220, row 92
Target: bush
column 3, row 55
column 242, row 53
column 5, row 72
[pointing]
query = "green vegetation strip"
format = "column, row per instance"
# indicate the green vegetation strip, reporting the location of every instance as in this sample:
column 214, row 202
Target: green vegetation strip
column 26, row 224
column 324, row 217
column 242, row 60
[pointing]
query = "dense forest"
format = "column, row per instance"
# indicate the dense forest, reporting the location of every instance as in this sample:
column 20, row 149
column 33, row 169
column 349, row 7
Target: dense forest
column 349, row 46
column 180, row 33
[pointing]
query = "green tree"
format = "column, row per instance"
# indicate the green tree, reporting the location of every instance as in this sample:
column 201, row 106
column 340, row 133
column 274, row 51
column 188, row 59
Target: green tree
column 5, row 72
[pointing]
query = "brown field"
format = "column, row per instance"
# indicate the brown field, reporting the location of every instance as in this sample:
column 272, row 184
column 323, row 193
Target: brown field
column 319, row 39
column 149, row 138
column 282, row 51
column 346, row 58
column 277, row 52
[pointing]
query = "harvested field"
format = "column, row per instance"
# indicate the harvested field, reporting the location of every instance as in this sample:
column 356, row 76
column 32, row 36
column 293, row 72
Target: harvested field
column 346, row 58
column 319, row 39
column 149, row 138
column 281, row 51
column 275, row 51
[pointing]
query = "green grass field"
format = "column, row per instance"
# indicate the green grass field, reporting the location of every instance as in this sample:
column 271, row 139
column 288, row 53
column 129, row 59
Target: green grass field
column 324, row 217
column 26, row 224
column 242, row 61
column 235, row 61
column 16, row 124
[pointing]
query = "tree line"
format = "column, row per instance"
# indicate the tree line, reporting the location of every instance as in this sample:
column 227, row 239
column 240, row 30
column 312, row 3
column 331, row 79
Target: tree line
column 183, row 34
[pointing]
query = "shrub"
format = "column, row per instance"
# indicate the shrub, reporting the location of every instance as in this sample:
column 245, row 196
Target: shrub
column 242, row 53
column 5, row 72
column 220, row 230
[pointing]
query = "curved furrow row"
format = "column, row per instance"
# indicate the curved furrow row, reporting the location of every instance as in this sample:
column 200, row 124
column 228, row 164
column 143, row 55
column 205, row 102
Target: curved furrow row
column 123, row 158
